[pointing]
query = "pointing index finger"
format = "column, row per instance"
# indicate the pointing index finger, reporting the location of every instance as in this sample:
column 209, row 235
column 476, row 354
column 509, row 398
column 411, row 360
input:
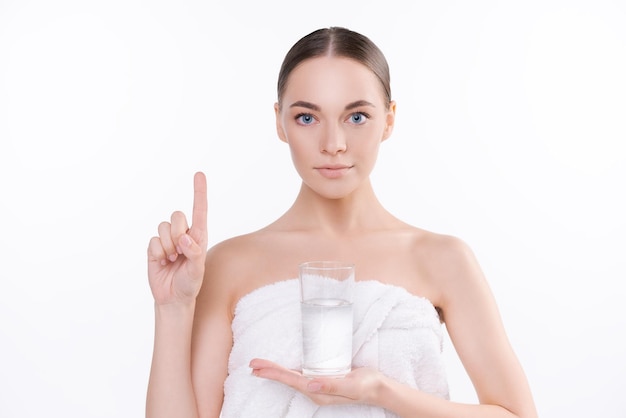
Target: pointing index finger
column 199, row 215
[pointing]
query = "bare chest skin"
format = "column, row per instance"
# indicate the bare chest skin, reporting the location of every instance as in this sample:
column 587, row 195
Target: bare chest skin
column 391, row 257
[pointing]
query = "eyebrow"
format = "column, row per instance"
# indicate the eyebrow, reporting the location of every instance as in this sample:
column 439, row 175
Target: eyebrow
column 349, row 106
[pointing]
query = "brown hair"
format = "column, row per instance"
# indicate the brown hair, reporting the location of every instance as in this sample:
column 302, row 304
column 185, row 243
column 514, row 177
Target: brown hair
column 338, row 42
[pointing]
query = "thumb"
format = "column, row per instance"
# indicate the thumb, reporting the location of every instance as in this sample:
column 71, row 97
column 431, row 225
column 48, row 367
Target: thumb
column 191, row 249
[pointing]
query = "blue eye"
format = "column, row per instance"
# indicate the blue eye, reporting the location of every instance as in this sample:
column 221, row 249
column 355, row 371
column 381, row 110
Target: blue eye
column 358, row 118
column 305, row 118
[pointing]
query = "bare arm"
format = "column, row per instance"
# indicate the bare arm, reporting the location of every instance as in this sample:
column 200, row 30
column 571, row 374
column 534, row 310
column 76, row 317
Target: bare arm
column 476, row 330
column 212, row 335
column 176, row 264
column 170, row 390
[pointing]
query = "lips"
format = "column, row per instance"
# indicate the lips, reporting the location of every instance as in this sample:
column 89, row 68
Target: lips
column 333, row 171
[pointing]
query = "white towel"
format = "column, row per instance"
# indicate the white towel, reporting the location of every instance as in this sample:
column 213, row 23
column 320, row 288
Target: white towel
column 394, row 331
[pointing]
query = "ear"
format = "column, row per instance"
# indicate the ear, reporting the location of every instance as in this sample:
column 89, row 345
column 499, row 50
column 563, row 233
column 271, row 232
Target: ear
column 390, row 120
column 279, row 126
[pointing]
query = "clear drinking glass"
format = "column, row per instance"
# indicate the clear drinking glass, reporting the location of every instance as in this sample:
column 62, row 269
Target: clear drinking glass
column 327, row 289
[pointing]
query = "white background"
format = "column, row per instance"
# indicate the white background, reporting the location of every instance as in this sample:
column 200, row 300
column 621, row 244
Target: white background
column 510, row 134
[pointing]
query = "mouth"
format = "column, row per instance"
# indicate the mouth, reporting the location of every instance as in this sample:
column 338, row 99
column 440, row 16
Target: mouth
column 333, row 171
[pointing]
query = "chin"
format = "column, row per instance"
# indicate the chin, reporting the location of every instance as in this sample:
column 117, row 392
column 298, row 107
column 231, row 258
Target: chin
column 334, row 193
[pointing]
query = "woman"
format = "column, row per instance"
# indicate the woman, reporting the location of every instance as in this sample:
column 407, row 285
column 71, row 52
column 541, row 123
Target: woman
column 226, row 337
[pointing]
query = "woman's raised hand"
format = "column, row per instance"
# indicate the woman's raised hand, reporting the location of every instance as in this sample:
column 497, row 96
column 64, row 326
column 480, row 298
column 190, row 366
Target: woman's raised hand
column 176, row 257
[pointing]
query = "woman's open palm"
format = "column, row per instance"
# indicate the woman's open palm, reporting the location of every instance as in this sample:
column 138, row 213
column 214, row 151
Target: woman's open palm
column 176, row 257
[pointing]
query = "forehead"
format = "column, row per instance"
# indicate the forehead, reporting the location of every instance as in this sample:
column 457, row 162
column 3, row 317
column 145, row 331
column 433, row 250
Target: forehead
column 332, row 79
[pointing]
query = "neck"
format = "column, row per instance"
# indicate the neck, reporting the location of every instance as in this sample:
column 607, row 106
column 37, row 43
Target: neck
column 357, row 212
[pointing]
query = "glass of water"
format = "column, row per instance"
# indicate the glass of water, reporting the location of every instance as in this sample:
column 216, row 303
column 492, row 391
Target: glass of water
column 327, row 289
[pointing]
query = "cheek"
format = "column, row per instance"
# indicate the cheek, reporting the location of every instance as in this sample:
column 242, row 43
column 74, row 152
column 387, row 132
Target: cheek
column 366, row 150
column 300, row 149
column 301, row 139
column 369, row 154
column 365, row 141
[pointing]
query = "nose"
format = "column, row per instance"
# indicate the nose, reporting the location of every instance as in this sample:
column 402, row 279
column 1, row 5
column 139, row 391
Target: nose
column 334, row 141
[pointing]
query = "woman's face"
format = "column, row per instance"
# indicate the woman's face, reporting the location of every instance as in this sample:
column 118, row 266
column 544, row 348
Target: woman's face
column 334, row 118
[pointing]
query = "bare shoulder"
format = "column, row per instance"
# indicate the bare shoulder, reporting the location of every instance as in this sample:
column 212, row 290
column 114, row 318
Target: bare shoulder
column 229, row 269
column 447, row 264
column 230, row 253
column 446, row 255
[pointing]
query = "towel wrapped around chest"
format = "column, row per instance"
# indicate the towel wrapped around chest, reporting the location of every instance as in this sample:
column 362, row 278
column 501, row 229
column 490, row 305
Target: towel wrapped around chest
column 394, row 331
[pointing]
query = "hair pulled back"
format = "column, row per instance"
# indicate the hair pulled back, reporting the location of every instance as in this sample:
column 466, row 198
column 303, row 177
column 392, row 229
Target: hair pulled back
column 336, row 42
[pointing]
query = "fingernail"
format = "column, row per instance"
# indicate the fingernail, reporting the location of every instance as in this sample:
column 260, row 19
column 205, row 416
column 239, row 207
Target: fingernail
column 314, row 386
column 172, row 257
